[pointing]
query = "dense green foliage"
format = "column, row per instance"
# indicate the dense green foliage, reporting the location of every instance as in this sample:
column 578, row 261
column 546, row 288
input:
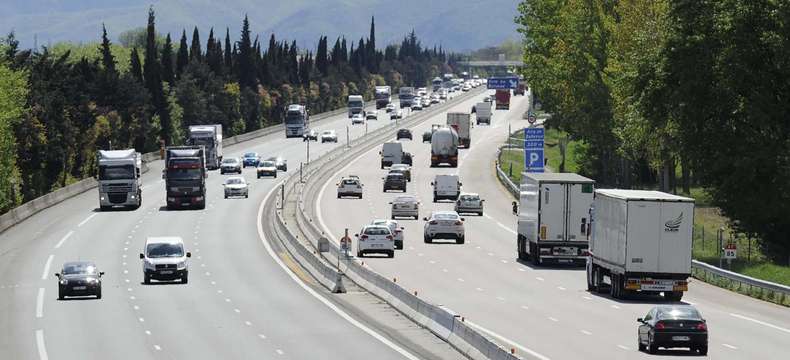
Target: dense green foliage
column 655, row 86
column 59, row 106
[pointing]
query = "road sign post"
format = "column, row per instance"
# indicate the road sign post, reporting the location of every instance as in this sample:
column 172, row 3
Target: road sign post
column 533, row 149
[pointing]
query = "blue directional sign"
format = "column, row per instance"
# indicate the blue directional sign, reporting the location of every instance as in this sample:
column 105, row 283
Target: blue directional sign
column 533, row 149
column 509, row 82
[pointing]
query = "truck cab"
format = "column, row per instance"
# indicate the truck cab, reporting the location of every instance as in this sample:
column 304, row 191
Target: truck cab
column 502, row 98
column 356, row 105
column 119, row 179
column 185, row 176
column 297, row 121
column 210, row 137
column 391, row 153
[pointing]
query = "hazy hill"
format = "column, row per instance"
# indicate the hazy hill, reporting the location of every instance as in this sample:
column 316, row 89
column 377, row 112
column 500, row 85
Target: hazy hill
column 455, row 24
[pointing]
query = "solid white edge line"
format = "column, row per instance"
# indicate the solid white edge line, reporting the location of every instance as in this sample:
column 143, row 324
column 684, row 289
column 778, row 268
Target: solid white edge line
column 40, row 303
column 46, row 267
column 42, row 349
column 316, row 295
column 761, row 322
column 86, row 220
column 62, row 240
column 507, row 341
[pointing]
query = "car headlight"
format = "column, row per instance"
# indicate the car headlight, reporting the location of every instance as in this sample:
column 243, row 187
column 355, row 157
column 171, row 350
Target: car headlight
column 93, row 280
column 182, row 265
column 64, row 282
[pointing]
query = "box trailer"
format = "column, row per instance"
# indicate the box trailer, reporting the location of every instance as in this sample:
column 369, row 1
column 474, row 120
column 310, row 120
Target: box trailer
column 553, row 218
column 640, row 242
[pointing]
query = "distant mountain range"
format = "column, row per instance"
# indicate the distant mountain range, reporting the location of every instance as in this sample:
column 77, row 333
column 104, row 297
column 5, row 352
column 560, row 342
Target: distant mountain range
column 457, row 25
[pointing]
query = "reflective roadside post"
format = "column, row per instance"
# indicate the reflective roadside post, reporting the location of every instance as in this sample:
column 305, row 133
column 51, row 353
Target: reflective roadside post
column 348, row 138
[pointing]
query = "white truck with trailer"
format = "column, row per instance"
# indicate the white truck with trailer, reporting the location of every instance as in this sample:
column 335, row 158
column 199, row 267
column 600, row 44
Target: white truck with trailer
column 462, row 124
column 483, row 112
column 553, row 219
column 119, row 178
column 640, row 242
column 210, row 136
column 356, row 105
column 383, row 96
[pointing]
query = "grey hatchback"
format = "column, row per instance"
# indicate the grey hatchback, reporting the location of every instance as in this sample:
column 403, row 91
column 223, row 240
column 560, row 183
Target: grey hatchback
column 395, row 181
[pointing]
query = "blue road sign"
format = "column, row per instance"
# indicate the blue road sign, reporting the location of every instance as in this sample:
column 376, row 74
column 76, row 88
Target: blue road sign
column 510, row 82
column 533, row 149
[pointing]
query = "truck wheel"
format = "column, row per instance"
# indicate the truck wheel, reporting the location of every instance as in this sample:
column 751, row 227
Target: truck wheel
column 533, row 252
column 104, row 208
column 522, row 254
column 590, row 284
column 617, row 286
column 598, row 278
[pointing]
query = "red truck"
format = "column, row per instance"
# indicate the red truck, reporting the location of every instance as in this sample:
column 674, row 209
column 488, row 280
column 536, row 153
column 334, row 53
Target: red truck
column 522, row 88
column 502, row 99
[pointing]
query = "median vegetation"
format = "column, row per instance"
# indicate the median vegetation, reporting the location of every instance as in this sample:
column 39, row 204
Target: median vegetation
column 59, row 105
column 668, row 95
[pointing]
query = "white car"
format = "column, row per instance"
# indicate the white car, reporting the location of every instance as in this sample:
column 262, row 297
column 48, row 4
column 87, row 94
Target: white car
column 236, row 186
column 372, row 115
column 375, row 239
column 417, row 105
column 397, row 231
column 469, row 203
column 390, row 107
column 357, row 119
column 405, row 206
column 444, row 225
column 230, row 164
column 328, row 136
column 164, row 258
column 349, row 186
column 396, row 114
column 266, row 168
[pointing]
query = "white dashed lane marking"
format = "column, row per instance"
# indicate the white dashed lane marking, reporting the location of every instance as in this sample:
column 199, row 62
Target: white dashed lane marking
column 47, row 266
column 730, row 346
column 63, row 239
column 83, row 222
column 40, row 303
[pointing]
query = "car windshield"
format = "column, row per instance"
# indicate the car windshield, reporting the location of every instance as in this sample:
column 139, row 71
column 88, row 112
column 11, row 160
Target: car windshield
column 229, row 161
column 445, row 216
column 394, row 176
column 349, row 182
column 79, row 268
column 184, row 174
column 234, row 181
column 267, row 164
column 165, row 250
column 405, row 199
column 328, row 132
column 117, row 172
column 684, row 312
column 377, row 231
column 469, row 198
column 250, row 155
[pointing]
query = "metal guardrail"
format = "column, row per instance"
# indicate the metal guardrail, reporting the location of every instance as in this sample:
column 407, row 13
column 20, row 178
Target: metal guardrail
column 761, row 289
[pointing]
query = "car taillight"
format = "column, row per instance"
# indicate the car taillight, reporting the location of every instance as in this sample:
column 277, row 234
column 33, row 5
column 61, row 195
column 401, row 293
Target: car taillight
column 459, row 223
column 433, row 222
column 702, row 326
column 363, row 237
column 660, row 326
column 389, row 237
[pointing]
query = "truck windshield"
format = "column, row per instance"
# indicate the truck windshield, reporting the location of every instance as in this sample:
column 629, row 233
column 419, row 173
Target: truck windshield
column 206, row 141
column 294, row 118
column 184, row 174
column 116, row 172
column 354, row 104
column 165, row 250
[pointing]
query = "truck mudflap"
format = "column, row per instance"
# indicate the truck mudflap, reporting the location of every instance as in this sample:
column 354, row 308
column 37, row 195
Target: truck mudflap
column 648, row 284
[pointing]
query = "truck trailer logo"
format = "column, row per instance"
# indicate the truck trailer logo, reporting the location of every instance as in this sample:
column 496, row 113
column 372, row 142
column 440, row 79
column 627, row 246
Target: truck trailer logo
column 674, row 224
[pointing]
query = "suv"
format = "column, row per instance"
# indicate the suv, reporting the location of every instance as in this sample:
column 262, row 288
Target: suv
column 469, row 203
column 403, row 134
column 405, row 206
column 375, row 239
column 403, row 169
column 164, row 259
column 444, row 225
column 397, row 231
column 349, row 186
column 394, row 181
column 406, row 158
column 230, row 164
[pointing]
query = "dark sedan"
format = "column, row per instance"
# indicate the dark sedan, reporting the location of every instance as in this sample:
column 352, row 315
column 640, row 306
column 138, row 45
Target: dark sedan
column 403, row 134
column 406, row 158
column 426, row 136
column 251, row 159
column 281, row 163
column 79, row 278
column 673, row 326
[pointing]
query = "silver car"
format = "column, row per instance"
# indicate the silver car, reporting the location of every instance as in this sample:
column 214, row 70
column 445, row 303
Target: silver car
column 444, row 225
column 236, row 186
column 230, row 164
column 357, row 119
column 469, row 203
column 405, row 206
column 328, row 136
column 397, row 231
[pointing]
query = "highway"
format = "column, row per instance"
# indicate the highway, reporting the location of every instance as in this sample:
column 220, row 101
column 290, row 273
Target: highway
column 543, row 312
column 240, row 302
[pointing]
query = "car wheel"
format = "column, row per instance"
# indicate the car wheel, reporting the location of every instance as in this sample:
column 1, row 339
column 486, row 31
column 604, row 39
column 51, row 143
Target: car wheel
column 146, row 279
column 427, row 239
column 246, row 196
column 61, row 296
column 98, row 293
column 360, row 254
column 480, row 214
column 360, row 196
column 338, row 196
column 460, row 240
column 703, row 350
column 651, row 347
column 226, row 196
column 275, row 175
column 399, row 245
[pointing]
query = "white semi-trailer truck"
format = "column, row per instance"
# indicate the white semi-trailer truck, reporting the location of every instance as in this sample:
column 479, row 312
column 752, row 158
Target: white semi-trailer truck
column 640, row 242
column 462, row 124
column 554, row 215
column 210, row 137
column 119, row 178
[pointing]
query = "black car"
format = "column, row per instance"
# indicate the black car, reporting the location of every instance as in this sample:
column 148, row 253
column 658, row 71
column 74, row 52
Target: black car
column 426, row 136
column 79, row 278
column 395, row 181
column 673, row 326
column 403, row 134
column 282, row 164
column 406, row 158
column 311, row 135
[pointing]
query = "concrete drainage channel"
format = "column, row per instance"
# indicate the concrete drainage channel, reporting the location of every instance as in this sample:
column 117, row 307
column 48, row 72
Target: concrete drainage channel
column 292, row 223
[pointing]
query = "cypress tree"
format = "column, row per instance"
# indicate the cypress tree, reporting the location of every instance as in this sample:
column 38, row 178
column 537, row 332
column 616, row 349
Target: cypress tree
column 152, row 74
column 107, row 59
column 195, row 53
column 321, row 56
column 167, row 61
column 135, row 68
column 370, row 56
column 182, row 60
column 246, row 70
column 228, row 57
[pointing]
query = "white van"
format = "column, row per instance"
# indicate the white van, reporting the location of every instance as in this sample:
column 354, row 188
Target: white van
column 391, row 153
column 446, row 187
column 164, row 258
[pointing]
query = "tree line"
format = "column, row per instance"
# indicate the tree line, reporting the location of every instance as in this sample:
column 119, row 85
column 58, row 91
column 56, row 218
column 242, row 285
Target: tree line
column 58, row 109
column 672, row 93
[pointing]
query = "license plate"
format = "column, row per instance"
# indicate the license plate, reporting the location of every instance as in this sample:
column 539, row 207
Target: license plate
column 186, row 204
column 166, row 272
column 376, row 245
column 79, row 288
column 656, row 287
column 680, row 338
